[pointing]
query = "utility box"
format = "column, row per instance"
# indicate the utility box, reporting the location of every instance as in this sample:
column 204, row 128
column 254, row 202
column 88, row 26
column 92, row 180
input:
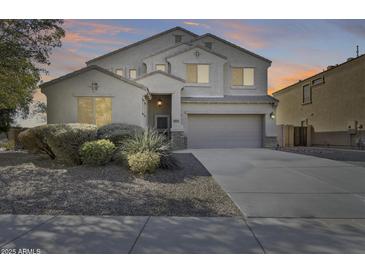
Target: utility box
column 352, row 127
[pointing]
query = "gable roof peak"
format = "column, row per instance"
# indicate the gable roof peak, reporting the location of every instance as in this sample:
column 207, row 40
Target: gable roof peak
column 143, row 41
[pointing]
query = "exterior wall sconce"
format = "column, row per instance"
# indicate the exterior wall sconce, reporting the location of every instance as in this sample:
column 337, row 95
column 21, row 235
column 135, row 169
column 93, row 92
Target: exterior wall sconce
column 159, row 102
column 272, row 115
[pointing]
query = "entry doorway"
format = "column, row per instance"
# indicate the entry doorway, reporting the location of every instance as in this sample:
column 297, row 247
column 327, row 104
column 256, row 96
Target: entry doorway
column 159, row 113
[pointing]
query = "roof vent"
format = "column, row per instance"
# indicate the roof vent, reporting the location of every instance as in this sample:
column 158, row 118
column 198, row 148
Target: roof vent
column 349, row 59
column 330, row 67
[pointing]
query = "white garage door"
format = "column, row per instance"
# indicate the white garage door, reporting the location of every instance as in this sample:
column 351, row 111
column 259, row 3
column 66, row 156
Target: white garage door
column 224, row 130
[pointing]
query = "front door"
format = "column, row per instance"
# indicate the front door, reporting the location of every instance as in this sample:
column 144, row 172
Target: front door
column 162, row 123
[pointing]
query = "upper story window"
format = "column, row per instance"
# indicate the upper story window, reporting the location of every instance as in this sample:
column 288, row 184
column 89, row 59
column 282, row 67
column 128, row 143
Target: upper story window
column 161, row 67
column 132, row 74
column 318, row 81
column 243, row 76
column 307, row 94
column 178, row 39
column 119, row 72
column 208, row 45
column 197, row 73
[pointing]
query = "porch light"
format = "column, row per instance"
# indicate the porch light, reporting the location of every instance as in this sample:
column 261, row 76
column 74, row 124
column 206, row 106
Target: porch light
column 159, row 102
column 272, row 115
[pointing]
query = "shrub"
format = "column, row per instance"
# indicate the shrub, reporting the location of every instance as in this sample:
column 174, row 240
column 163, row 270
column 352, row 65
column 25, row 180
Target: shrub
column 142, row 162
column 65, row 140
column 148, row 140
column 97, row 152
column 117, row 132
column 35, row 140
column 151, row 141
column 9, row 145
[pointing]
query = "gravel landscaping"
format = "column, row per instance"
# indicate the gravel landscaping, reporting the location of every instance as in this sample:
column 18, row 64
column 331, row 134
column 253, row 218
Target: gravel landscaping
column 34, row 184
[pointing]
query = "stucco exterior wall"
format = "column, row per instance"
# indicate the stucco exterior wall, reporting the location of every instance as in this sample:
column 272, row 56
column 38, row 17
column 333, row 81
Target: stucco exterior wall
column 160, row 58
column 237, row 58
column 127, row 100
column 215, row 85
column 203, row 108
column 132, row 58
column 335, row 104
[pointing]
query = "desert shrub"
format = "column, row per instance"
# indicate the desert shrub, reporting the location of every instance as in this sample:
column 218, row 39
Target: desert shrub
column 65, row 140
column 142, row 162
column 9, row 145
column 97, row 152
column 35, row 139
column 148, row 140
column 117, row 132
column 151, row 141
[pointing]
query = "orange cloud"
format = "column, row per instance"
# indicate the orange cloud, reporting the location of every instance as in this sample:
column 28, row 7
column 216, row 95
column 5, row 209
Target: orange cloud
column 64, row 61
column 74, row 37
column 282, row 74
column 245, row 34
column 97, row 28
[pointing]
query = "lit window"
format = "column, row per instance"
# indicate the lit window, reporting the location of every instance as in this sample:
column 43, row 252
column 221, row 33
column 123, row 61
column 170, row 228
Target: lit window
column 197, row 73
column 132, row 74
column 208, row 45
column 307, row 94
column 119, row 72
column 94, row 110
column 178, row 39
column 243, row 76
column 161, row 67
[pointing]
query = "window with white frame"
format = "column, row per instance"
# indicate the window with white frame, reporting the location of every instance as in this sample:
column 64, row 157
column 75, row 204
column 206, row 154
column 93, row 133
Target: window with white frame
column 307, row 94
column 243, row 76
column 197, row 73
column 161, row 67
column 119, row 71
column 132, row 74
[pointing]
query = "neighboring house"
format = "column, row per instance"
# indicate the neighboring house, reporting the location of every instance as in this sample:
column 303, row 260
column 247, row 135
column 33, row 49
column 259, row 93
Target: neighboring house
column 204, row 91
column 327, row 108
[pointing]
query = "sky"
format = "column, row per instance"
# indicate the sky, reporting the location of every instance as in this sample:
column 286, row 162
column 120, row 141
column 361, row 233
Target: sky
column 297, row 48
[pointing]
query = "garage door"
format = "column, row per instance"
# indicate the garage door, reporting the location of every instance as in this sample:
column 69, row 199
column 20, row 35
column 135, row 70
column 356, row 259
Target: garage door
column 224, row 131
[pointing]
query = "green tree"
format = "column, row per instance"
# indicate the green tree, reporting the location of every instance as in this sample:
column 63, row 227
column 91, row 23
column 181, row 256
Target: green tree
column 25, row 48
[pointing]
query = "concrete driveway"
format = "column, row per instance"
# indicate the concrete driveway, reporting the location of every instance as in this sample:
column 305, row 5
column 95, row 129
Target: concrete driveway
column 268, row 183
column 293, row 203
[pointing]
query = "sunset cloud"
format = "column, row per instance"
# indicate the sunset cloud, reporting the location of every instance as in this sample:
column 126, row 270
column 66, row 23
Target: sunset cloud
column 196, row 24
column 242, row 33
column 283, row 74
column 64, row 61
column 96, row 27
column 74, row 37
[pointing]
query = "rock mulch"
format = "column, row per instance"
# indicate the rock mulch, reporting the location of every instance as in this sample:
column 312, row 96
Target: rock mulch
column 34, row 184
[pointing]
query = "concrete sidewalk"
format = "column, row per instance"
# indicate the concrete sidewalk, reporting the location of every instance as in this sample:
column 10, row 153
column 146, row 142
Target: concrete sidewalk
column 126, row 234
column 155, row 235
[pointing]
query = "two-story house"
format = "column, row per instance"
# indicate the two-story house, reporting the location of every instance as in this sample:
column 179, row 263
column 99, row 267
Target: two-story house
column 205, row 91
column 326, row 109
